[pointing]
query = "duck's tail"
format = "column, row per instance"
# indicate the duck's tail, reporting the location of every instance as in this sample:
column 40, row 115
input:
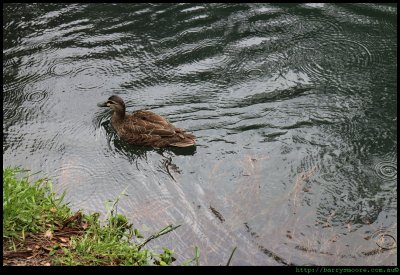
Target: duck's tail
column 186, row 141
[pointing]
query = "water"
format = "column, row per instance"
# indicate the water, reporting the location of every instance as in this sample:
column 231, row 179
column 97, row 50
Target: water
column 293, row 106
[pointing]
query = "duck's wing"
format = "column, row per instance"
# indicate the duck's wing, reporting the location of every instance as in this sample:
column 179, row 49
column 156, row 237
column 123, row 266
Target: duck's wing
column 152, row 117
column 148, row 123
column 162, row 122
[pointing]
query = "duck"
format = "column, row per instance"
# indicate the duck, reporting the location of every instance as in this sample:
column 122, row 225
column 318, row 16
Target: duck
column 145, row 128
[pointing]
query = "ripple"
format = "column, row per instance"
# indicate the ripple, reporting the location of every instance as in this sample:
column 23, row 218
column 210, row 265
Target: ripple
column 390, row 10
column 243, row 60
column 10, row 64
column 13, row 99
column 384, row 239
column 380, row 49
column 279, row 24
column 91, row 76
column 313, row 70
column 316, row 28
column 357, row 51
column 192, row 9
column 315, row 5
column 351, row 128
column 76, row 177
column 228, row 72
column 61, row 68
column 266, row 10
column 188, row 60
column 386, row 170
column 252, row 41
column 189, row 52
column 197, row 18
column 335, row 57
column 11, row 113
column 207, row 64
column 35, row 95
column 19, row 82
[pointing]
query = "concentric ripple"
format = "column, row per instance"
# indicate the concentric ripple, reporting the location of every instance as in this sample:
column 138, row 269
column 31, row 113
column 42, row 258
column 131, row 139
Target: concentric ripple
column 316, row 28
column 61, row 68
column 34, row 94
column 75, row 176
column 37, row 96
column 291, row 104
column 91, row 76
column 384, row 239
column 335, row 57
column 85, row 76
column 386, row 170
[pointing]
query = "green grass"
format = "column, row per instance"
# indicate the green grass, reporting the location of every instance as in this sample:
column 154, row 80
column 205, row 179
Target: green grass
column 32, row 207
column 29, row 207
column 35, row 218
column 109, row 245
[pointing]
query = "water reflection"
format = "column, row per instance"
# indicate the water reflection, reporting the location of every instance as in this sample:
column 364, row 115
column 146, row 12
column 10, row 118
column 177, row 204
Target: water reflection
column 293, row 107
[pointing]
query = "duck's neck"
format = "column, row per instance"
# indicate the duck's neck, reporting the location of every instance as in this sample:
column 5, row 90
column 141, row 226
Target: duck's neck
column 118, row 115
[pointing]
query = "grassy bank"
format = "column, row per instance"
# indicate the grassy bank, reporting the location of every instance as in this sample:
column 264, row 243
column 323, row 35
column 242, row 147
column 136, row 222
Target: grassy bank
column 39, row 229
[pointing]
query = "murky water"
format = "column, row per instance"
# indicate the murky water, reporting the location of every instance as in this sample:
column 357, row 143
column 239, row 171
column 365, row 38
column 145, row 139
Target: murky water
column 293, row 106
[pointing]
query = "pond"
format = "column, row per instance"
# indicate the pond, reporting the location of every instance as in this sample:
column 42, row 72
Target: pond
column 293, row 107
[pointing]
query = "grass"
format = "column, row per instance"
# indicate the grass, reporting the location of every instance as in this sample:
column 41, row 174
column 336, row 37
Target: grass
column 39, row 229
column 29, row 207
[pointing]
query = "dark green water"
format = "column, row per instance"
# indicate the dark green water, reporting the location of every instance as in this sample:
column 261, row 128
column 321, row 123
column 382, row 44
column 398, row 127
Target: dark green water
column 293, row 106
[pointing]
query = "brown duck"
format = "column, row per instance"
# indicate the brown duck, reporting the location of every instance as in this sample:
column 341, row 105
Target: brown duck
column 145, row 127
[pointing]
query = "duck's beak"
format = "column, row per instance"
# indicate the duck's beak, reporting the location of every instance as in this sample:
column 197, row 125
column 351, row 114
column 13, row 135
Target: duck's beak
column 102, row 104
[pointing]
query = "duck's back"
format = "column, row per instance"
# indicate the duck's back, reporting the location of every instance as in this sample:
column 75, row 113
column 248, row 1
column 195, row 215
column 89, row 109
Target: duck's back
column 147, row 128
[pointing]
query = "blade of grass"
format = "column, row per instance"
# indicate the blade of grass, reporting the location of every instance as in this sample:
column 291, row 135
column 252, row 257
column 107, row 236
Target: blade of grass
column 195, row 258
column 230, row 258
column 163, row 231
column 197, row 255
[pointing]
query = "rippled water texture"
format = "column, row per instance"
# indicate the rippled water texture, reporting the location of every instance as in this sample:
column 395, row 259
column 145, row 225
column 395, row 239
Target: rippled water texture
column 293, row 106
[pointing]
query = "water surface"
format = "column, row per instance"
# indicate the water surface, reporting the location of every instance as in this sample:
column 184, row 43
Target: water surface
column 293, row 106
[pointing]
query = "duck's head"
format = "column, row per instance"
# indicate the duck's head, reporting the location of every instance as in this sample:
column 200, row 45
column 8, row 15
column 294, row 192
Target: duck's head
column 115, row 103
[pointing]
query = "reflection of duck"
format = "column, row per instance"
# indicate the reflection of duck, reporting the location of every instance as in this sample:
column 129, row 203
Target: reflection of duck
column 145, row 127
